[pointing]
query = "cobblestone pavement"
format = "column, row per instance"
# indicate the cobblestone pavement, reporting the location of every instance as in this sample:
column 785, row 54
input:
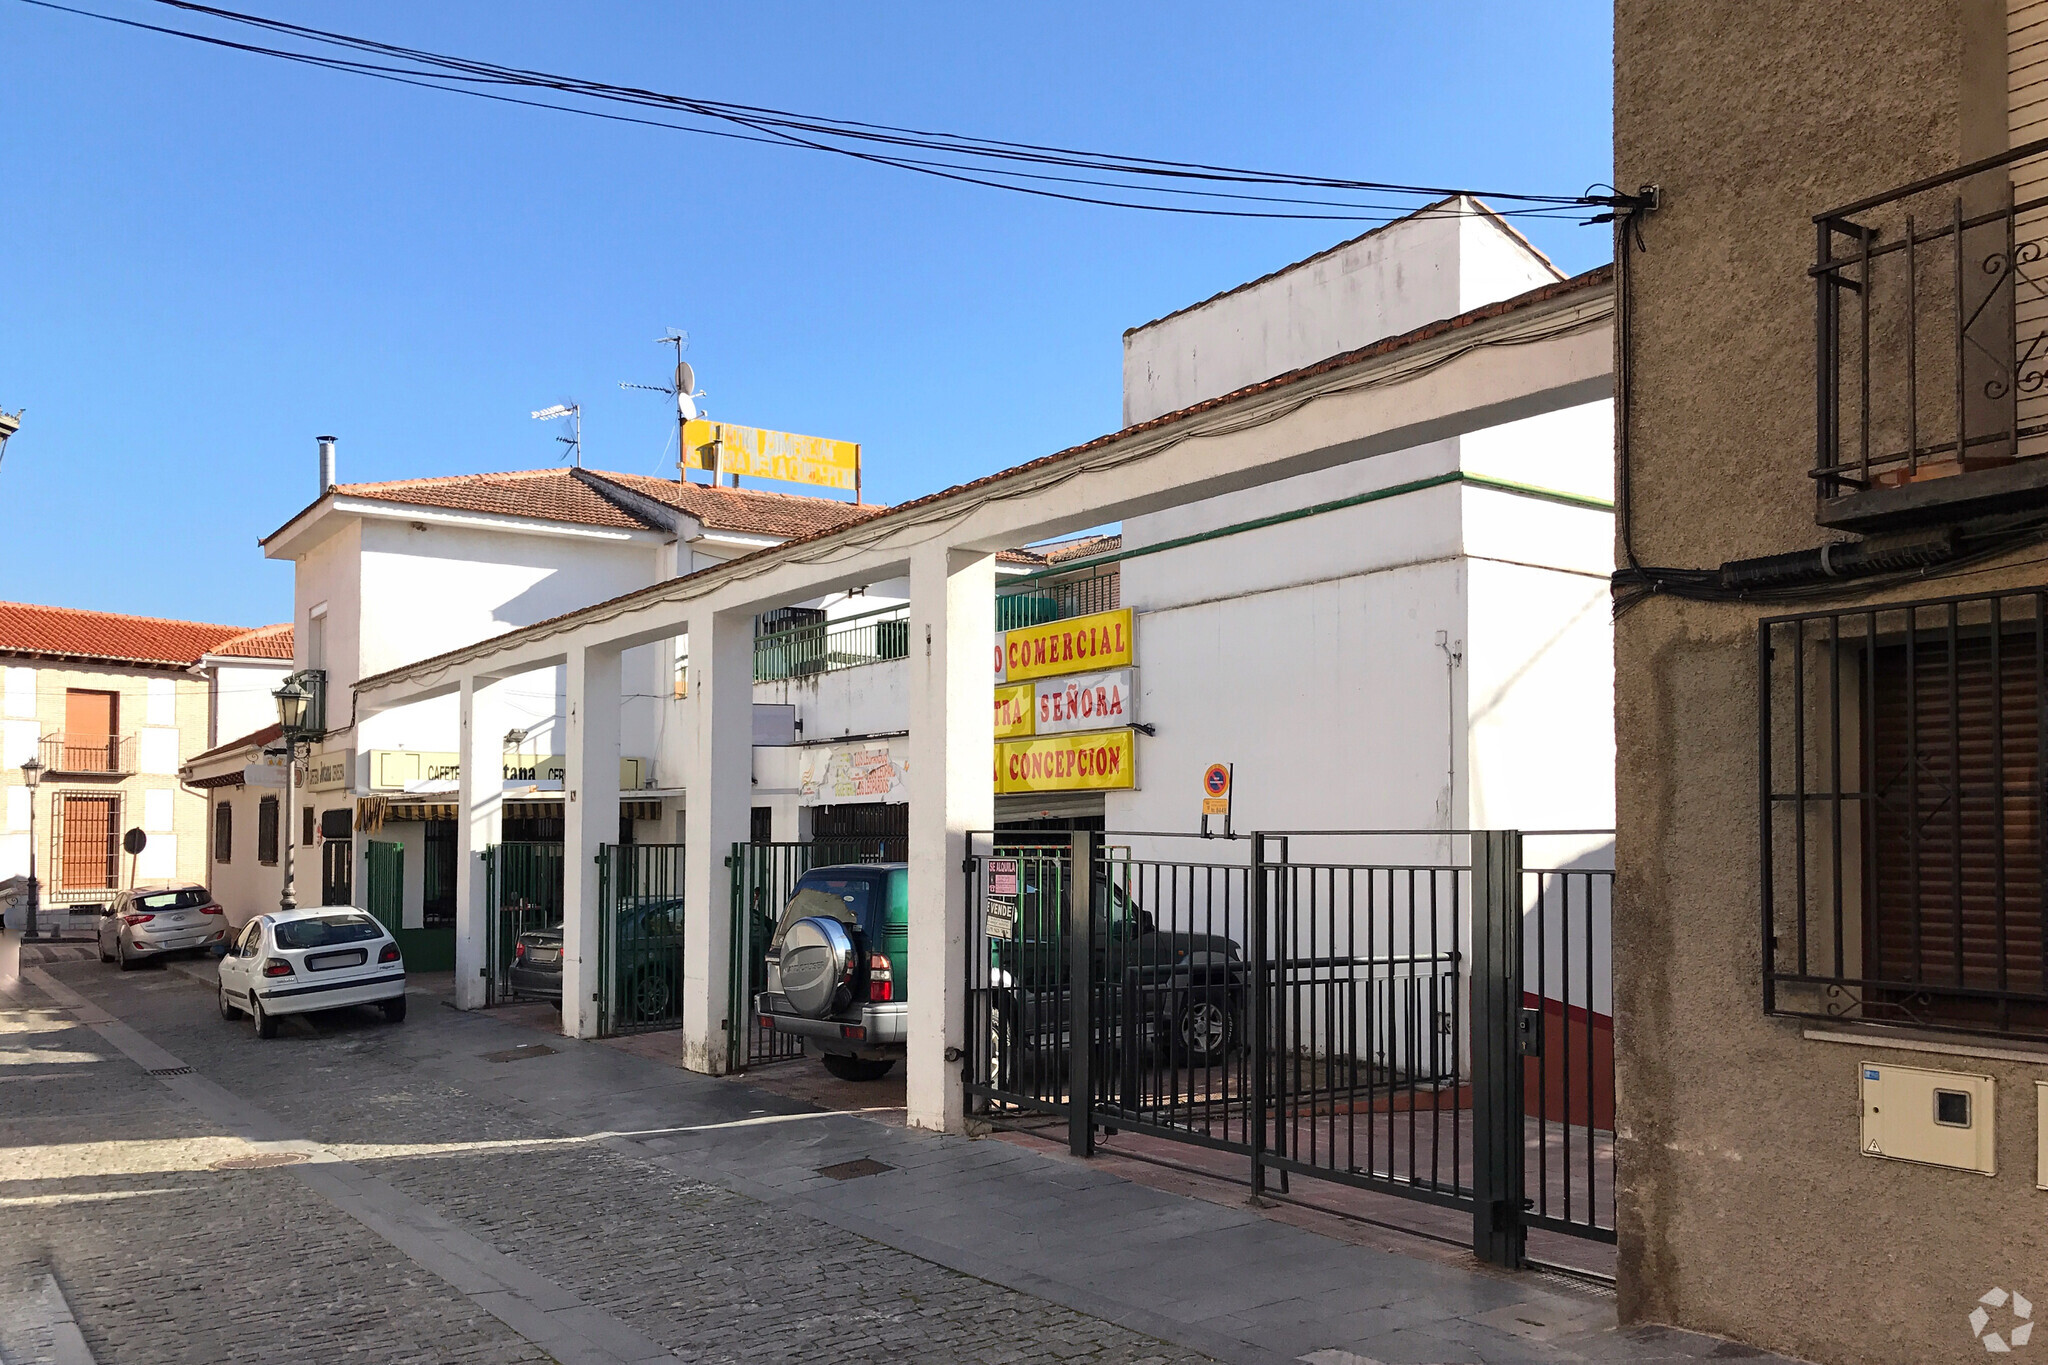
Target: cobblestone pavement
column 107, row 1182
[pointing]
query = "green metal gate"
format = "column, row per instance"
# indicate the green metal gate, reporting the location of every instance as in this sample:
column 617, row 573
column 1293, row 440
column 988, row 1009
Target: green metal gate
column 426, row 950
column 523, row 890
column 763, row 876
column 639, row 938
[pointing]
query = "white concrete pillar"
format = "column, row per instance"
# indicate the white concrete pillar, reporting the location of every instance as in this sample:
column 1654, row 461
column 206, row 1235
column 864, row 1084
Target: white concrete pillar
column 590, row 818
column 480, row 792
column 721, row 791
column 952, row 731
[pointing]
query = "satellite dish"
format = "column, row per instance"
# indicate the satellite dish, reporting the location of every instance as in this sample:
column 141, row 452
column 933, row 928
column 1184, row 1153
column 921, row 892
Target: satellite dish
column 687, row 406
column 686, row 378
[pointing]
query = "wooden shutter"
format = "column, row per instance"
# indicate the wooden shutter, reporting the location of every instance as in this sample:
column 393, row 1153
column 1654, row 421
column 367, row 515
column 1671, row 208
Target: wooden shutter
column 223, row 832
column 1955, row 902
column 89, row 729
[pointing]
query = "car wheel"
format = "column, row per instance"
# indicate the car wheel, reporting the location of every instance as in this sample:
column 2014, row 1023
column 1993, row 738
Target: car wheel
column 652, row 997
column 266, row 1024
column 101, row 944
column 856, row 1068
column 121, row 954
column 394, row 1010
column 1207, row 1027
column 227, row 1010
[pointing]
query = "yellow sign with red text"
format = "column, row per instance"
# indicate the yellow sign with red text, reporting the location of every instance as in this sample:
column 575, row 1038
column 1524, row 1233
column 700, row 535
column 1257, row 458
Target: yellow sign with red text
column 731, row 448
column 1014, row 715
column 1106, row 761
column 1082, row 644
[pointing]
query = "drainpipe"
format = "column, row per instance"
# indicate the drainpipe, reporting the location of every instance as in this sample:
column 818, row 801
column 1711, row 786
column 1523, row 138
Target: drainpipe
column 1454, row 654
column 326, row 463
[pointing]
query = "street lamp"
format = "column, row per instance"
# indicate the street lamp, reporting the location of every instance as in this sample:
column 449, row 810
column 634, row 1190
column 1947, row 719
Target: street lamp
column 291, row 719
column 32, row 776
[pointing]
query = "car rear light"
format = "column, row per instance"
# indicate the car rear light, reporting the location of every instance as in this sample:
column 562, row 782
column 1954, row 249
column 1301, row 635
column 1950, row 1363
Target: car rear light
column 881, row 978
column 137, row 919
column 276, row 966
column 519, row 950
column 390, row 953
column 211, row 910
column 768, row 1021
column 855, row 1033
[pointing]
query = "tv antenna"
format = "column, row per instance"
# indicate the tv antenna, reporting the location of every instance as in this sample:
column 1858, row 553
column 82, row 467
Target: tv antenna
column 574, row 440
column 683, row 389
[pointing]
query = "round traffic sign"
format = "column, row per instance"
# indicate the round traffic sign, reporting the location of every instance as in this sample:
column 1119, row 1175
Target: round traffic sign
column 1216, row 781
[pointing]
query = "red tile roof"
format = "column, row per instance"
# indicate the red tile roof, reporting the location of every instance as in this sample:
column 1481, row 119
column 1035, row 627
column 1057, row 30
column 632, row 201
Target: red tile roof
column 264, row 642
column 550, row 494
column 269, row 734
column 750, row 511
column 1598, row 279
column 68, row 633
column 1082, row 548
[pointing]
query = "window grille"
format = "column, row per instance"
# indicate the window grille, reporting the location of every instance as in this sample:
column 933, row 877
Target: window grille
column 1902, row 751
column 223, row 832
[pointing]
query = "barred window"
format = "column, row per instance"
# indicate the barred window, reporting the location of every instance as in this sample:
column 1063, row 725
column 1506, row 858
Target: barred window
column 223, row 832
column 266, row 831
column 1902, row 752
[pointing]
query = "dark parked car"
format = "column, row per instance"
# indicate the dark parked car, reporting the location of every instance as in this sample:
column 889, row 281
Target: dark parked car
column 649, row 970
column 1179, row 993
column 838, row 967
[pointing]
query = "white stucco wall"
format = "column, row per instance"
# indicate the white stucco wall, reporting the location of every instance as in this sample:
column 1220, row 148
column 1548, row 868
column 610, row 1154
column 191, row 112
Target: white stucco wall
column 242, row 700
column 1387, row 282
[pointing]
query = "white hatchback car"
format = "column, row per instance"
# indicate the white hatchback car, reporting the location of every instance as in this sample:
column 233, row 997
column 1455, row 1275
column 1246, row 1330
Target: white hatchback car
column 324, row 957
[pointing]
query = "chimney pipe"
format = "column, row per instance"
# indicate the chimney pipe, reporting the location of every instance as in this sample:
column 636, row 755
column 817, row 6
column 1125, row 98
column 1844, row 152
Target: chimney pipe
column 326, row 463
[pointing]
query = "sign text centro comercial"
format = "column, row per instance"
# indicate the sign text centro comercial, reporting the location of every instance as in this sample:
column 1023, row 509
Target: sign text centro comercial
column 1102, row 640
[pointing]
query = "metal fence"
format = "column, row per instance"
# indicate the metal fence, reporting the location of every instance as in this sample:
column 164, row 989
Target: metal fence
column 826, row 646
column 523, row 892
column 763, row 879
column 1429, row 1019
column 639, row 938
column 1039, row 602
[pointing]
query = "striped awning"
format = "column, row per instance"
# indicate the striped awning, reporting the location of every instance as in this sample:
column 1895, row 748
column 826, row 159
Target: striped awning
column 528, row 809
column 640, row 810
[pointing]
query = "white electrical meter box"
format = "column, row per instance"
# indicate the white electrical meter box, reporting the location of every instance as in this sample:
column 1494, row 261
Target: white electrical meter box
column 1937, row 1118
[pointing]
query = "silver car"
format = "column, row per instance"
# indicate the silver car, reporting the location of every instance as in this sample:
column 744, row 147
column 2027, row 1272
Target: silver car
column 151, row 921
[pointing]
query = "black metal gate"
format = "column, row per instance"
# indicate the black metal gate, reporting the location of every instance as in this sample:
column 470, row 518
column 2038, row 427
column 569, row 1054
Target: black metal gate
column 763, row 877
column 1424, row 1020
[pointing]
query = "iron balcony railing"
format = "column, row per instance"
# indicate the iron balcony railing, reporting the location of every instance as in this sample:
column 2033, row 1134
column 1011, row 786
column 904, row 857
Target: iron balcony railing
column 1931, row 341
column 91, row 755
column 818, row 646
column 826, row 646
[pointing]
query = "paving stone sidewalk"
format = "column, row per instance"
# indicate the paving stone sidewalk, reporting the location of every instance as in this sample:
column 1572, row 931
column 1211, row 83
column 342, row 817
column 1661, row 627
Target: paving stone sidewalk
column 692, row 1212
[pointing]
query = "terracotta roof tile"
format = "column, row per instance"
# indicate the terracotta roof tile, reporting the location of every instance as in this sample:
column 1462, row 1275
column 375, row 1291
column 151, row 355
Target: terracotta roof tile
column 551, row 494
column 1599, row 278
column 750, row 511
column 264, row 642
column 67, row 632
column 254, row 740
column 1081, row 548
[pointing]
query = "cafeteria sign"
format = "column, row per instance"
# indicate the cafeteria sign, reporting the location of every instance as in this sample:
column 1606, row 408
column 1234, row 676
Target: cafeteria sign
column 1105, row 761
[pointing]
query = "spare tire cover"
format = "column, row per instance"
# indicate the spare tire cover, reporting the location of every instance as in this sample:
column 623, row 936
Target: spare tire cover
column 817, row 959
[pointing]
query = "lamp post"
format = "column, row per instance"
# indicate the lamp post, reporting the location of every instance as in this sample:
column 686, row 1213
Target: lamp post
column 32, row 776
column 291, row 719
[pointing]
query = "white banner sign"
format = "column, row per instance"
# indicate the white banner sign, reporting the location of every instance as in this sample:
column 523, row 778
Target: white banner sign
column 1086, row 701
column 845, row 773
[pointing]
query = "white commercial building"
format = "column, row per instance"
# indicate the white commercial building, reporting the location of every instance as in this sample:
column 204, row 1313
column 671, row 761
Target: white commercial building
column 1363, row 559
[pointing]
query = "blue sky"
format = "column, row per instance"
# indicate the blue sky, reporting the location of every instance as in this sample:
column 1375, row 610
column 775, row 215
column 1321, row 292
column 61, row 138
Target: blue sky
column 206, row 259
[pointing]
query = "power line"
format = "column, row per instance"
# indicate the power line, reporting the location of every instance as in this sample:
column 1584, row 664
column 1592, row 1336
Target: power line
column 989, row 162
